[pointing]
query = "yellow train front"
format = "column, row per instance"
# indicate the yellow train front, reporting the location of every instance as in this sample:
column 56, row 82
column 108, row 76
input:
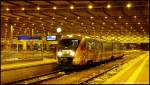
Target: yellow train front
column 81, row 51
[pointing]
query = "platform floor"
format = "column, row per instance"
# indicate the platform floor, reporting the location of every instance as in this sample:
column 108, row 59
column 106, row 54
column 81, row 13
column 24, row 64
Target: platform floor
column 134, row 72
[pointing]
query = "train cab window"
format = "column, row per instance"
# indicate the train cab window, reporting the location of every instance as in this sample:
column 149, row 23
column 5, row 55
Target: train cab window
column 69, row 43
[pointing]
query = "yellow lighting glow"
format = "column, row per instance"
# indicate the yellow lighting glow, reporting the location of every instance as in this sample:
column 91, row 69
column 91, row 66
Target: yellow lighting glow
column 23, row 8
column 58, row 29
column 7, row 9
column 115, row 23
column 91, row 17
column 38, row 8
column 108, row 6
column 54, row 7
column 120, row 17
column 79, row 35
column 71, row 7
column 103, row 23
column 78, row 17
column 135, row 17
column 90, row 6
column 65, row 18
column 70, row 36
column 129, row 5
column 106, row 17
column 138, row 23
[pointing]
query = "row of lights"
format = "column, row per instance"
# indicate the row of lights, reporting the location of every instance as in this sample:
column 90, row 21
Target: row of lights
column 90, row 6
column 78, row 17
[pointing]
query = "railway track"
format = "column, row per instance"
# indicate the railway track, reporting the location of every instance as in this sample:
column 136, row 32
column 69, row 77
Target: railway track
column 54, row 74
column 72, row 77
column 83, row 76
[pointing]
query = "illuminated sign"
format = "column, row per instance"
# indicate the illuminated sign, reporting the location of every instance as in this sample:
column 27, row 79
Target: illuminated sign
column 50, row 37
column 29, row 38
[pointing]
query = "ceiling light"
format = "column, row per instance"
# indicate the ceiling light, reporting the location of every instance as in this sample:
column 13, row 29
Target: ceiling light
column 91, row 17
column 54, row 7
column 23, row 9
column 72, row 23
column 78, row 17
column 82, row 23
column 70, row 36
column 103, row 23
column 7, row 9
column 40, row 18
column 38, row 8
column 90, row 6
column 138, row 23
column 129, row 5
column 32, row 24
column 53, row 18
column 106, row 17
column 79, row 35
column 134, row 16
column 126, row 23
column 65, row 18
column 115, row 23
column 58, row 29
column 71, row 7
column 92, row 23
column 18, row 18
column 120, row 17
column 108, row 6
column 42, row 24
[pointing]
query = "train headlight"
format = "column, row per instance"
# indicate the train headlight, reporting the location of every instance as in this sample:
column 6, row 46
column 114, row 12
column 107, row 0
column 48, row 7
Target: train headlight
column 72, row 53
column 59, row 54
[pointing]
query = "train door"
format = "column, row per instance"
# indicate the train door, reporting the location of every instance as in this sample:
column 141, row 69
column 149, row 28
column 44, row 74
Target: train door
column 107, row 50
column 116, row 49
column 98, row 51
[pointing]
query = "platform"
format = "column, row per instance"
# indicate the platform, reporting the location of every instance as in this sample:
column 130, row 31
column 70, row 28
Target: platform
column 19, row 71
column 134, row 72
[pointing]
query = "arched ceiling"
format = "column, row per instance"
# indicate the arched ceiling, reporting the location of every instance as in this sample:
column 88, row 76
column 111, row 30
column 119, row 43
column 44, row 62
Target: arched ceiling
column 117, row 22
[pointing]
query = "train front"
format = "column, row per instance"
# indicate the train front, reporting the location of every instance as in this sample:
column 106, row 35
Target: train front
column 66, row 51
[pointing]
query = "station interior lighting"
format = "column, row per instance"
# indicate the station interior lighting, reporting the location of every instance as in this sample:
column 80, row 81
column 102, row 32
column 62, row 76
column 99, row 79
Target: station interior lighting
column 23, row 8
column 119, row 17
column 38, row 8
column 135, row 16
column 126, row 23
column 108, row 6
column 103, row 23
column 7, row 9
column 106, row 17
column 71, row 7
column 70, row 36
column 90, row 6
column 91, row 17
column 79, row 35
column 139, row 23
column 54, row 7
column 58, row 30
column 78, row 17
column 129, row 5
column 65, row 18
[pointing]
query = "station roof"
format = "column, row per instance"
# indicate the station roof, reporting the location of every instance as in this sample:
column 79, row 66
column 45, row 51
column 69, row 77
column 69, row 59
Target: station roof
column 125, row 21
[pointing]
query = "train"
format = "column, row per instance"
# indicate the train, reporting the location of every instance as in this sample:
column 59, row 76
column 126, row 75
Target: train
column 81, row 51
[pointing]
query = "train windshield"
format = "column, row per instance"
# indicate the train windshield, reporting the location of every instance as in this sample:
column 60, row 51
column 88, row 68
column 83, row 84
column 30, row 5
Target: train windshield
column 69, row 43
